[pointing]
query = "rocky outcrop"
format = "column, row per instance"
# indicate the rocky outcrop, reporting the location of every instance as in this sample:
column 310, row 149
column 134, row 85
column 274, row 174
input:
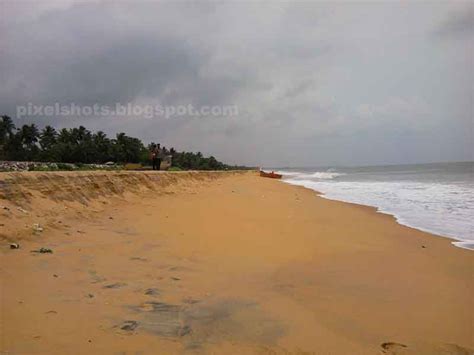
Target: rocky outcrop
column 48, row 166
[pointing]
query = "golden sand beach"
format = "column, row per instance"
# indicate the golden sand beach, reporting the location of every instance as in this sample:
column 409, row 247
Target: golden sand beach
column 219, row 263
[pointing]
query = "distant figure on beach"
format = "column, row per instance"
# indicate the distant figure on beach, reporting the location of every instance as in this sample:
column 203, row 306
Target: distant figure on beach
column 156, row 157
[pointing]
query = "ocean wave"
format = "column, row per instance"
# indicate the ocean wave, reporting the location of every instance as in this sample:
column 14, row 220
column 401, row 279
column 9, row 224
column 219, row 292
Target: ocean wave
column 325, row 175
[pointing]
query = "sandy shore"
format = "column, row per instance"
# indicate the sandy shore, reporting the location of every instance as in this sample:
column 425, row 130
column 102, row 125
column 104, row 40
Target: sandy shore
column 219, row 263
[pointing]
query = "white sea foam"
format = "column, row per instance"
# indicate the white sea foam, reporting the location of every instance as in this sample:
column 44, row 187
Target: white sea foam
column 324, row 175
column 442, row 208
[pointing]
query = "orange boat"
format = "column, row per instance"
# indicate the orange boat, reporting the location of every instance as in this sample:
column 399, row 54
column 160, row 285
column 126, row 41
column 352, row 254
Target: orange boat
column 271, row 175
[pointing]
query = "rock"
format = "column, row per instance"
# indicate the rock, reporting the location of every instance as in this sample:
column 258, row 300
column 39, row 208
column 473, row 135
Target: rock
column 5, row 208
column 14, row 246
column 22, row 210
column 45, row 166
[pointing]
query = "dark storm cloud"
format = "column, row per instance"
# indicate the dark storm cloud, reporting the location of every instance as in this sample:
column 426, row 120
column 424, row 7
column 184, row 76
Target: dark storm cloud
column 77, row 54
column 315, row 83
column 458, row 24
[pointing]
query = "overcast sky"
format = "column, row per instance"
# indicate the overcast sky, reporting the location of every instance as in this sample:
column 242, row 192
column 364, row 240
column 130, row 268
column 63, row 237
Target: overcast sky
column 315, row 83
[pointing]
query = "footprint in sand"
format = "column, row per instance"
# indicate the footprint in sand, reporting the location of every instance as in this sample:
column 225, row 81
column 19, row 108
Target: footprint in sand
column 129, row 325
column 96, row 278
column 391, row 347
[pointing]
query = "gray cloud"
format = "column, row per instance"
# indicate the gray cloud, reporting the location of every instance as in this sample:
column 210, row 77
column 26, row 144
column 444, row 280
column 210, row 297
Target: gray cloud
column 315, row 83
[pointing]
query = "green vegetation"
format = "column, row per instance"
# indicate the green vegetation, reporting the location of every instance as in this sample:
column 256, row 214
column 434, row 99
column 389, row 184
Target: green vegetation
column 81, row 146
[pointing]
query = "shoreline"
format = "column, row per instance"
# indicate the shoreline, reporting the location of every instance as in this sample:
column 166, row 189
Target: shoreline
column 222, row 263
column 377, row 211
column 456, row 242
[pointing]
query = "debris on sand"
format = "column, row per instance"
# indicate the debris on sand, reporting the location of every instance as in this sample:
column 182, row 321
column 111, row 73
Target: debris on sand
column 43, row 251
column 185, row 330
column 14, row 246
column 152, row 292
column 37, row 228
column 189, row 300
column 129, row 325
column 116, row 285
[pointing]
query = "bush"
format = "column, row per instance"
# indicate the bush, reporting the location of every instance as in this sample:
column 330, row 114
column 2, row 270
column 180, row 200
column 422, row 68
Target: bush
column 64, row 166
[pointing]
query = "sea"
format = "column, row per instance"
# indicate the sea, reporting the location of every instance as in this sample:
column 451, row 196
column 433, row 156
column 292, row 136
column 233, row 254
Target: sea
column 436, row 198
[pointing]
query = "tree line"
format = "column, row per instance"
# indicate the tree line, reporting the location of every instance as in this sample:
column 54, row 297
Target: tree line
column 79, row 145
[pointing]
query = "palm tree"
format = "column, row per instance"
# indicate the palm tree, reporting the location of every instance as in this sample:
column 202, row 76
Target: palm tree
column 79, row 145
column 6, row 128
column 29, row 135
column 64, row 136
column 102, row 147
column 6, row 133
column 48, row 138
column 47, row 141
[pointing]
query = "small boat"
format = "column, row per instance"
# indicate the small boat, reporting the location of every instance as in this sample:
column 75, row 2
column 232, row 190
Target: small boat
column 271, row 175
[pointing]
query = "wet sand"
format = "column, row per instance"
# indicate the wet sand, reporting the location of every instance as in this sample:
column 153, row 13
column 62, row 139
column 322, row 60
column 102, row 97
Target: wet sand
column 219, row 263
